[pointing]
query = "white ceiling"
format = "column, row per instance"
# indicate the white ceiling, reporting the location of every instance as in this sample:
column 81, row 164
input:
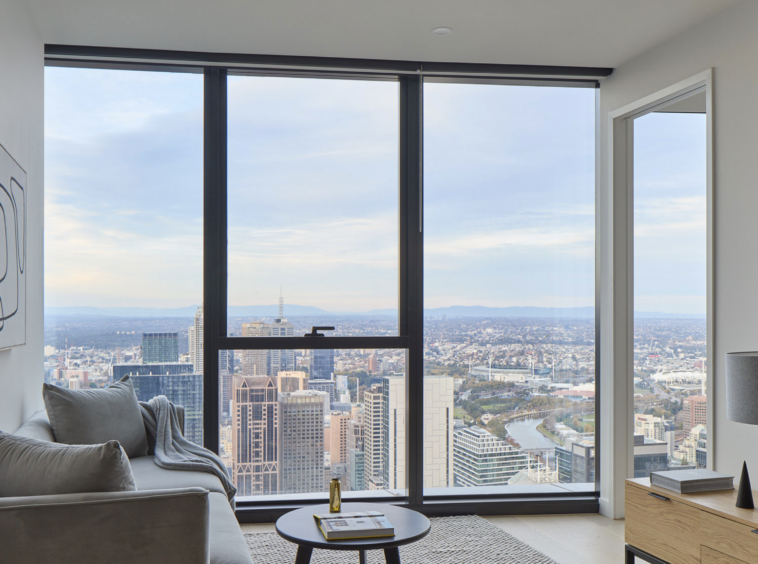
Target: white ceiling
column 602, row 33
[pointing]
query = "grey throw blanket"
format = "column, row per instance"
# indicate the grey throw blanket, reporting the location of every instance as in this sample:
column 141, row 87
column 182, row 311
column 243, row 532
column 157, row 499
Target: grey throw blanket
column 173, row 451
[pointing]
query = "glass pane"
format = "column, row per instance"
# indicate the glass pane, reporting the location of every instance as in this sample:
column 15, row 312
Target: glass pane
column 123, row 232
column 509, row 229
column 313, row 204
column 287, row 433
column 670, row 345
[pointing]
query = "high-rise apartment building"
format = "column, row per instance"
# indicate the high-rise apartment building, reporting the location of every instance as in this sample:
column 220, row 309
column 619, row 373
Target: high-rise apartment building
column 225, row 381
column 354, row 479
column 180, row 389
column 482, row 459
column 373, row 400
column 160, row 347
column 255, row 438
column 301, row 440
column 255, row 363
column 226, row 361
column 650, row 455
column 291, row 381
column 575, row 460
column 326, row 386
column 373, row 364
column 268, row 362
column 695, row 412
column 321, row 364
column 338, row 425
column 439, row 423
column 649, row 426
column 196, row 338
column 393, row 431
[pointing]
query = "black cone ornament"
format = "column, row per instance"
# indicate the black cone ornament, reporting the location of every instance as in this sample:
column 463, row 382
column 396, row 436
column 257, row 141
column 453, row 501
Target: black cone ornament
column 745, row 493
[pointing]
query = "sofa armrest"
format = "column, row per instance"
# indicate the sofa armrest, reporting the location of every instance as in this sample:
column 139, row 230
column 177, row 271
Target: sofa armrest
column 152, row 527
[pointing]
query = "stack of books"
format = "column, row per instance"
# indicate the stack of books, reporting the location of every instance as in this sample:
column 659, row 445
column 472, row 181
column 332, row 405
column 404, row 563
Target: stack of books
column 692, row 481
column 365, row 525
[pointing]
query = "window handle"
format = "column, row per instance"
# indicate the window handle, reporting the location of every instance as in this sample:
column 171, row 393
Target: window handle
column 315, row 331
column 656, row 496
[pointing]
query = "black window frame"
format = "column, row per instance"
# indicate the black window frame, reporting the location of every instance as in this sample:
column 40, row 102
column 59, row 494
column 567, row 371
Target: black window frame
column 410, row 75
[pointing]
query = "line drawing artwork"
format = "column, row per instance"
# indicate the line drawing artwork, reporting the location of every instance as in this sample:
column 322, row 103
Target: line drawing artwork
column 13, row 203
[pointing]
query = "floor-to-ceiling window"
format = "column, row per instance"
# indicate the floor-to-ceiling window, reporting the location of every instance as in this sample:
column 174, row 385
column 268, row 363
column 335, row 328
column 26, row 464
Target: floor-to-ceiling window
column 670, row 339
column 124, row 232
column 369, row 275
column 509, row 286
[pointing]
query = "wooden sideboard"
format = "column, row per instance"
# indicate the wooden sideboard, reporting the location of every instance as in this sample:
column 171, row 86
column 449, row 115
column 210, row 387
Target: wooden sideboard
column 664, row 527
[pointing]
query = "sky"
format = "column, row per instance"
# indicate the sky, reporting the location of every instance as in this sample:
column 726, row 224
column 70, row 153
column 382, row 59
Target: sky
column 313, row 194
column 670, row 213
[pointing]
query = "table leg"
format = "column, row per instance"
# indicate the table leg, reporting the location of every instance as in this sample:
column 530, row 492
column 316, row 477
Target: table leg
column 303, row 554
column 629, row 556
column 362, row 556
column 392, row 555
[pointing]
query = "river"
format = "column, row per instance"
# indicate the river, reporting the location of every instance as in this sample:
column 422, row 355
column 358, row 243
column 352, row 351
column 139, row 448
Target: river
column 526, row 434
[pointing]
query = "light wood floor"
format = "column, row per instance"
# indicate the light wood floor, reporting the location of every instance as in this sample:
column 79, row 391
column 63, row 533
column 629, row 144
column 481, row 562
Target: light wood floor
column 567, row 539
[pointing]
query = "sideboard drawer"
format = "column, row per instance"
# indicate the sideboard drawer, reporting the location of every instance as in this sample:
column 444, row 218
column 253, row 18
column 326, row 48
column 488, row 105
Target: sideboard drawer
column 666, row 528
column 710, row 556
column 729, row 537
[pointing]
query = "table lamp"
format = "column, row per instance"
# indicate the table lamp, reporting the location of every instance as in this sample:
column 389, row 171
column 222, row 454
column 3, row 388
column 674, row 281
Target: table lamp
column 742, row 406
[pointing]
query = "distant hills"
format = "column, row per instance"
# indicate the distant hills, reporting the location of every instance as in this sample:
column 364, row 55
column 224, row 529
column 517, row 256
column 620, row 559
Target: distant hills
column 310, row 311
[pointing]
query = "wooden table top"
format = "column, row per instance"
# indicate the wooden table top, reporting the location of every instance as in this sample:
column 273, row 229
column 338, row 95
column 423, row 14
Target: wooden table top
column 300, row 527
column 719, row 503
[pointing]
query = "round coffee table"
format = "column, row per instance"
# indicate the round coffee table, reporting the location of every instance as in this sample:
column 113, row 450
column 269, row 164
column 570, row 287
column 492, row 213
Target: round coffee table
column 300, row 527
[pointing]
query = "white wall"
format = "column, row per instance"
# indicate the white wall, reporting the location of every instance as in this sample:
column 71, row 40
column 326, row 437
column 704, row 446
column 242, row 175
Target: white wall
column 729, row 44
column 22, row 134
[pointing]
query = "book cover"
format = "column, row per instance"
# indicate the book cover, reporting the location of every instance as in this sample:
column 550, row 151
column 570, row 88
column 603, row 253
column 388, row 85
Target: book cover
column 336, row 526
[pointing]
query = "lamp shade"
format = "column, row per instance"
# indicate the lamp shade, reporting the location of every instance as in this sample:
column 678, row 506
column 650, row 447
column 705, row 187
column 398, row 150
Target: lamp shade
column 742, row 387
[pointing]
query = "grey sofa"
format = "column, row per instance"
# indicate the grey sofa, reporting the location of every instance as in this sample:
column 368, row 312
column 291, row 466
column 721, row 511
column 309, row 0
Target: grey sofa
column 174, row 517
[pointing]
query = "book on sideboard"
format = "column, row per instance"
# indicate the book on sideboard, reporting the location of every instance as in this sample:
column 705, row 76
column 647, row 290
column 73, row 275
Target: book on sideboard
column 692, row 481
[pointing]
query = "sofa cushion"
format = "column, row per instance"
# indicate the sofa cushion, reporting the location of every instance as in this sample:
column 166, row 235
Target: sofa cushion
column 87, row 417
column 228, row 546
column 148, row 476
column 37, row 427
column 30, row 467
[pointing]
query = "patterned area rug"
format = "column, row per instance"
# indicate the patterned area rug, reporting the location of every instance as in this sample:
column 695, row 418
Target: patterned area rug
column 452, row 540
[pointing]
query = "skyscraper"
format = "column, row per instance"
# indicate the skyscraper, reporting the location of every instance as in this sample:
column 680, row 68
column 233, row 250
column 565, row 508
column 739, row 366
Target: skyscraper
column 281, row 360
column 373, row 364
column 482, row 459
column 338, row 440
column 268, row 362
column 225, row 381
column 326, row 386
column 255, row 362
column 180, row 389
column 695, row 410
column 291, row 381
column 393, row 431
column 373, row 400
column 160, row 347
column 355, row 456
column 439, row 423
column 255, row 441
column 301, row 440
column 196, row 336
column 321, row 364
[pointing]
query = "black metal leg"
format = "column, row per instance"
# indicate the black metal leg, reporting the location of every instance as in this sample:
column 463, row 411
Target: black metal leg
column 362, row 556
column 629, row 555
column 303, row 554
column 392, row 555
